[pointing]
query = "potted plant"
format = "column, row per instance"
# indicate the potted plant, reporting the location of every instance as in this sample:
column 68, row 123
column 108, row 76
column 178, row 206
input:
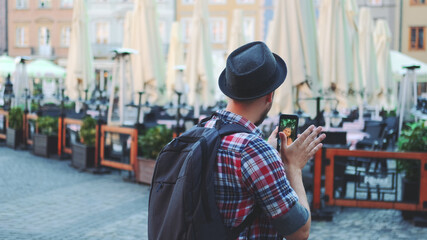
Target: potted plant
column 14, row 131
column 149, row 145
column 46, row 141
column 412, row 139
column 83, row 154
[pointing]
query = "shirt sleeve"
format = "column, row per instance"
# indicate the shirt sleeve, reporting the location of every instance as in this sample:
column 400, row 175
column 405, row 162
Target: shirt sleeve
column 264, row 176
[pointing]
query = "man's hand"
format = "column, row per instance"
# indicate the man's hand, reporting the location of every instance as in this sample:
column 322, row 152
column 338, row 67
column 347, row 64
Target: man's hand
column 302, row 149
column 272, row 139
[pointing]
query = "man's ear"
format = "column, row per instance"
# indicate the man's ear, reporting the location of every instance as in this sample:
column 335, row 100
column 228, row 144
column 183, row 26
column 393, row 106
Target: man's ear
column 269, row 97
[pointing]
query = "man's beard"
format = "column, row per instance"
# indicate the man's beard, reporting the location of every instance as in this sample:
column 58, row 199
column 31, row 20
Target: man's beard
column 263, row 116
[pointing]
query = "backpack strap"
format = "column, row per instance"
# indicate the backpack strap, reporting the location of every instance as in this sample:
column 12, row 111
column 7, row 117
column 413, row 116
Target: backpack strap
column 235, row 232
column 225, row 129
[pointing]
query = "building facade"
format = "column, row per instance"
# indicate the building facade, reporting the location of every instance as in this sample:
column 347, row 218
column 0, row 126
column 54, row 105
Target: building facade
column 39, row 28
column 221, row 15
column 411, row 28
column 106, row 30
column 382, row 9
column 3, row 27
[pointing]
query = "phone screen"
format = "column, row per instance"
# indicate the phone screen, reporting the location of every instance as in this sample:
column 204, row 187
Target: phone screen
column 288, row 124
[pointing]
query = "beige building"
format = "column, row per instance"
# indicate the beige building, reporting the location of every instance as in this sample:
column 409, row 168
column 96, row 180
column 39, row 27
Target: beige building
column 220, row 20
column 411, row 28
column 221, row 14
column 39, row 28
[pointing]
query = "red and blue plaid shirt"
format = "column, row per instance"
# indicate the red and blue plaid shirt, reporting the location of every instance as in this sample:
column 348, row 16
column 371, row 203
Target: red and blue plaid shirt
column 250, row 171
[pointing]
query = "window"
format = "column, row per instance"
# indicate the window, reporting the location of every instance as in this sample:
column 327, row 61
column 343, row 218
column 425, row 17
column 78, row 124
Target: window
column 249, row 28
column 418, row 2
column 375, row 2
column 21, row 37
column 218, row 1
column 44, row 36
column 245, row 1
column 45, row 3
column 218, row 30
column 185, row 28
column 21, row 4
column 187, row 1
column 66, row 3
column 65, row 36
column 417, row 38
column 102, row 32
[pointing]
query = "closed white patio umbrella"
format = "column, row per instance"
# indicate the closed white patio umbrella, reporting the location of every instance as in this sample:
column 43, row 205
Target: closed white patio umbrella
column 368, row 59
column 80, row 71
column 338, row 49
column 237, row 35
column 148, row 65
column 175, row 59
column 382, row 40
column 198, row 73
column 292, row 35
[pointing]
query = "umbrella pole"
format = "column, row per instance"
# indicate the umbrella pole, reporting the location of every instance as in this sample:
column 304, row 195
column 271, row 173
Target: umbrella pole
column 122, row 89
column 113, row 84
column 197, row 109
column 402, row 103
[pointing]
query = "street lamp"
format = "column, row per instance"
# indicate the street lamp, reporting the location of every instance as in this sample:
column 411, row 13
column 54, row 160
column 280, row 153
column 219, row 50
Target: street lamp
column 8, row 93
column 179, row 110
column 144, row 108
column 303, row 119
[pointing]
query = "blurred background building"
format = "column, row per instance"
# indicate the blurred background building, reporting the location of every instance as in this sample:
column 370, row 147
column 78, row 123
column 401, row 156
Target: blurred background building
column 410, row 37
column 39, row 28
column 3, row 26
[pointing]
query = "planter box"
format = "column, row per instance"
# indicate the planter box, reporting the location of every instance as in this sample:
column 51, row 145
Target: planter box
column 83, row 156
column 145, row 170
column 44, row 145
column 13, row 137
column 410, row 194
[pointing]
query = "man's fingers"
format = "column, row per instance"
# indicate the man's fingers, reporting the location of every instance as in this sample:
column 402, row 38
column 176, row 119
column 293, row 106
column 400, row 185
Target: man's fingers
column 305, row 134
column 274, row 133
column 315, row 149
column 316, row 141
column 283, row 140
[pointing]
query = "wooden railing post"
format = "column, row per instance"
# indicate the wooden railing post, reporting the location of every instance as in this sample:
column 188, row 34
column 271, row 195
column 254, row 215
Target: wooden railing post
column 317, row 179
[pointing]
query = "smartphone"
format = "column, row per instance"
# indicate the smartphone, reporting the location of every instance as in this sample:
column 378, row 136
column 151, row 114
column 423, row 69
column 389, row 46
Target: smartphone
column 288, row 123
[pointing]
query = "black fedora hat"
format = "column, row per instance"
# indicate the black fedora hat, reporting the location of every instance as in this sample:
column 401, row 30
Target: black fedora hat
column 252, row 71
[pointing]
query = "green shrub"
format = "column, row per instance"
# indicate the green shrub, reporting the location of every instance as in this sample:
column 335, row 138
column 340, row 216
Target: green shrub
column 152, row 142
column 16, row 118
column 412, row 139
column 88, row 131
column 48, row 125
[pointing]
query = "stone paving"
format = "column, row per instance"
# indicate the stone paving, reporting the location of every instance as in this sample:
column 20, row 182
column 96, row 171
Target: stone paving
column 47, row 199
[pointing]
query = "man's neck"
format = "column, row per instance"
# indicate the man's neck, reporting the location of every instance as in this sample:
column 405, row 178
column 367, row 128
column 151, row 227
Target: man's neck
column 243, row 110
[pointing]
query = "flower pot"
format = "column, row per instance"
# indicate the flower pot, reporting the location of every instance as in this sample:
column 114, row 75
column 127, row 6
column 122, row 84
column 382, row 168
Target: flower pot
column 44, row 145
column 83, row 156
column 410, row 191
column 13, row 137
column 411, row 194
column 145, row 170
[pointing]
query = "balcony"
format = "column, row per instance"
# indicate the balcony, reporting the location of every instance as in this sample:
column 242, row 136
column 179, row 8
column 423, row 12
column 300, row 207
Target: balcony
column 43, row 51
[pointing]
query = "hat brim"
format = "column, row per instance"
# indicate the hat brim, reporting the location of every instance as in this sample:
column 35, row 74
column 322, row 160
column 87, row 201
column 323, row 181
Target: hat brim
column 279, row 76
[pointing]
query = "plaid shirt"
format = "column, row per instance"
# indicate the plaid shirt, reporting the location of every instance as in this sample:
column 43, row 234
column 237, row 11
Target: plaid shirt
column 250, row 171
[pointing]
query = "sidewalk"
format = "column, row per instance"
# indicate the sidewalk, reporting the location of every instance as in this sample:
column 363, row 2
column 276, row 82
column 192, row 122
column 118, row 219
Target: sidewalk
column 47, row 199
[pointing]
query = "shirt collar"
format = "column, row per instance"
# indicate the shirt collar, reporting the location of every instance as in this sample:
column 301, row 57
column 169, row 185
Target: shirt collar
column 230, row 117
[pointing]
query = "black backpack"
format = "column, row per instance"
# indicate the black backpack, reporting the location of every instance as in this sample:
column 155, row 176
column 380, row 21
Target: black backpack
column 182, row 198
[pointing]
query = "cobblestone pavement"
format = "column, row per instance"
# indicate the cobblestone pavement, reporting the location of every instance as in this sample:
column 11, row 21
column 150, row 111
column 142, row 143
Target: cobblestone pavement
column 47, row 199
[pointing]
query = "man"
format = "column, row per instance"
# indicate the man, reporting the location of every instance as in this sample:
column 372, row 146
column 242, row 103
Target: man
column 250, row 172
